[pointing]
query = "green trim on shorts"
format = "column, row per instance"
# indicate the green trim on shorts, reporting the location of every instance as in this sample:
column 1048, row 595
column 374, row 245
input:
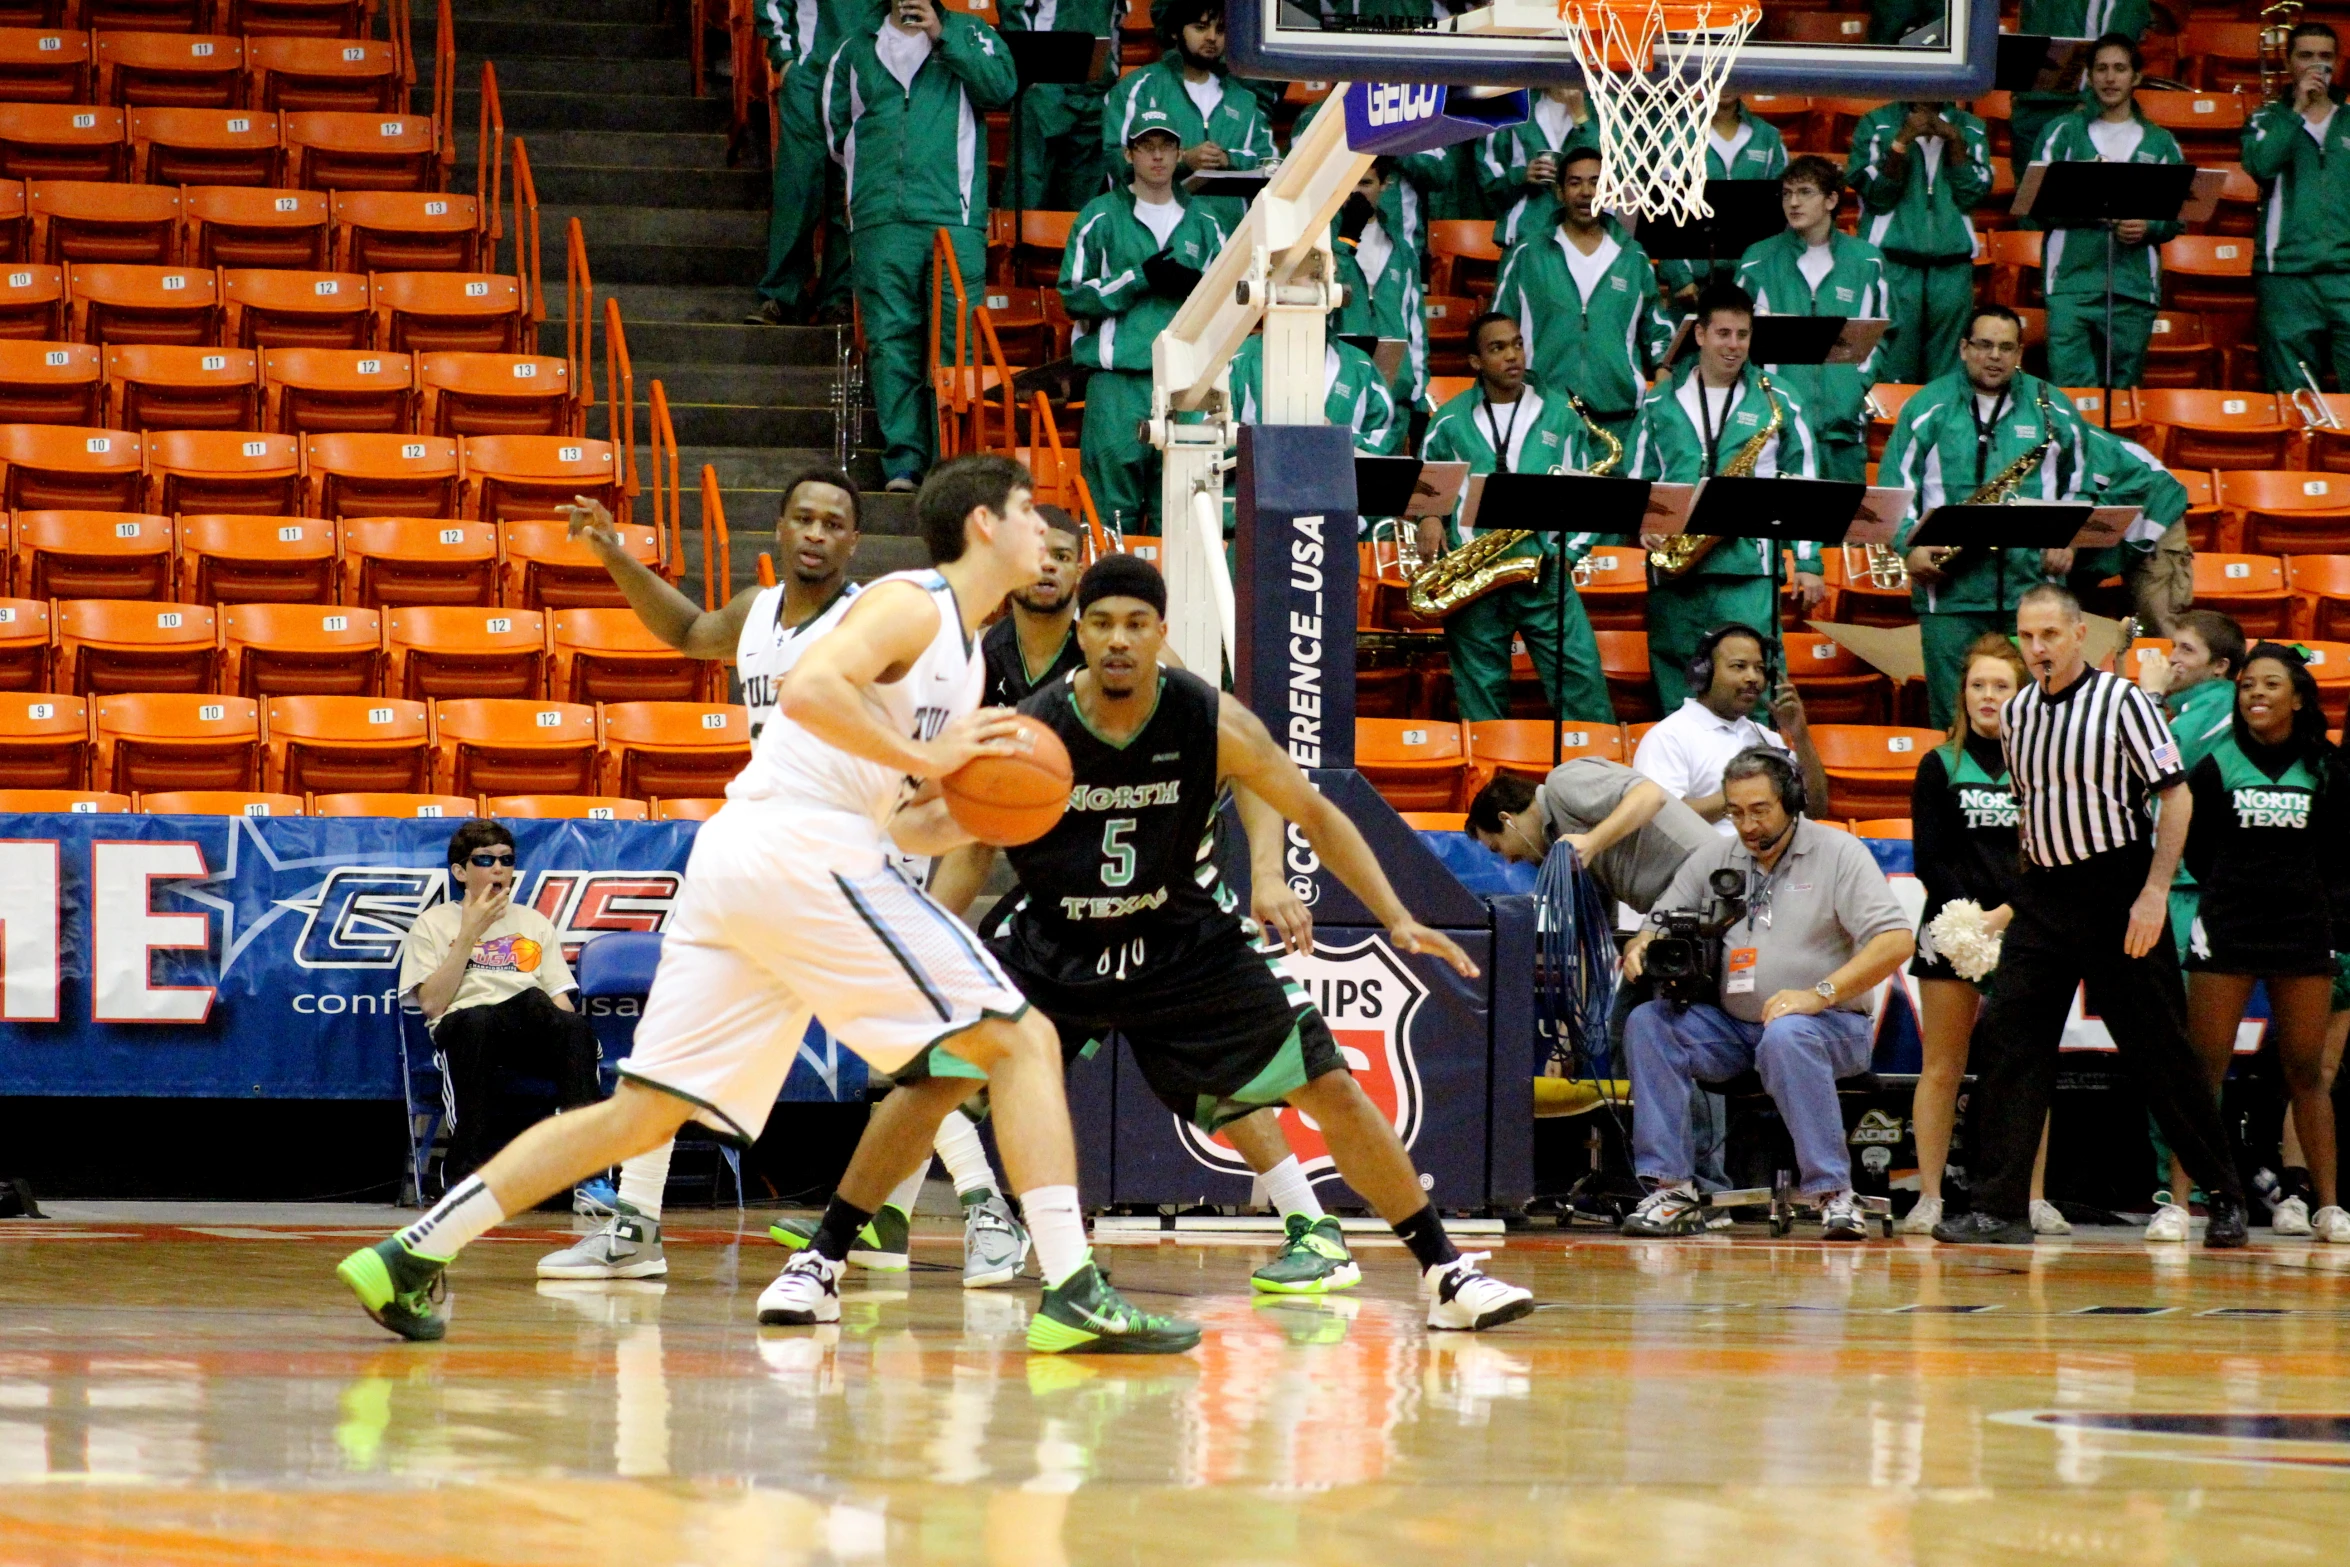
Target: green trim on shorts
column 944, row 1060
column 1282, row 1076
column 731, row 1132
column 2341, row 996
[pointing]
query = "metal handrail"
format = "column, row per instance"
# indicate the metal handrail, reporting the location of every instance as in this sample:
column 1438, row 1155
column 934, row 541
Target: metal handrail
column 579, row 322
column 526, row 241
column 403, row 40
column 717, row 543
column 666, row 508
column 444, row 88
column 489, row 173
column 975, row 336
column 620, row 398
column 1044, row 440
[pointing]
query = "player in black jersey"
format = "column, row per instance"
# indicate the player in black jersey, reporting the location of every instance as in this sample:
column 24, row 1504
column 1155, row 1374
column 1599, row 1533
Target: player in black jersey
column 1038, row 633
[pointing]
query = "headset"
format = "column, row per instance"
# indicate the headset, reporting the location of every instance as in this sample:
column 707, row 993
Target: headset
column 1700, row 668
column 1785, row 776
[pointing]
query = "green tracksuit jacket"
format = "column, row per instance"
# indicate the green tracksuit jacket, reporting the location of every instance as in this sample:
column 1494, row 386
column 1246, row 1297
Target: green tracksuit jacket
column 1058, row 140
column 1551, row 438
column 1762, row 156
column 1834, row 397
column 1102, row 281
column 1409, row 202
column 1352, row 394
column 2305, row 190
column 1670, row 447
column 1237, row 124
column 1600, row 346
column 1523, row 208
column 2085, row 18
column 1388, row 307
column 917, row 154
column 2073, row 260
column 2123, row 473
column 1911, row 219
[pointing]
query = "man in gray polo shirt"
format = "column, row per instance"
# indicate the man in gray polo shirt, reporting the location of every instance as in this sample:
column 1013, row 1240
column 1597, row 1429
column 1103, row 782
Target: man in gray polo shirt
column 1821, row 930
column 1631, row 835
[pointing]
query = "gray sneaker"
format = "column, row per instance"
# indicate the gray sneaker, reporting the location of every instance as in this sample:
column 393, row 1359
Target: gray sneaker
column 995, row 1245
column 627, row 1246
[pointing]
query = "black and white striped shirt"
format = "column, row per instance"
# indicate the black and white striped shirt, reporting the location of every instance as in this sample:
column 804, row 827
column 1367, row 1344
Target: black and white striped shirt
column 2084, row 761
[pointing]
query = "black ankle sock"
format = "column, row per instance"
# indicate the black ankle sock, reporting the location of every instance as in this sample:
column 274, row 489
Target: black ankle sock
column 839, row 1230
column 1424, row 1233
column 2293, row 1181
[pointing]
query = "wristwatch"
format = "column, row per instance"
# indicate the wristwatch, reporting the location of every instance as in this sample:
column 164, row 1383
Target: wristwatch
column 1826, row 991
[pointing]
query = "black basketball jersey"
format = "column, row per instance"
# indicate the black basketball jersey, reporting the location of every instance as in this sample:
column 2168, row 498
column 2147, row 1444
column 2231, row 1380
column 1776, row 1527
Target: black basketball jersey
column 1129, row 880
column 1008, row 684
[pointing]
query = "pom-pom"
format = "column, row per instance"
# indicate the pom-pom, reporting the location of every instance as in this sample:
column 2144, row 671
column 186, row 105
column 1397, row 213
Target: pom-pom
column 1959, row 935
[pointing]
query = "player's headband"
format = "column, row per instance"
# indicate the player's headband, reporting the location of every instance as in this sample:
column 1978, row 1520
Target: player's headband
column 1122, row 576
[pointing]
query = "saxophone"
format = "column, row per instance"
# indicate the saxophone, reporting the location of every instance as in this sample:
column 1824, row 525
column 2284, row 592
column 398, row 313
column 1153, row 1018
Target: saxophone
column 1679, row 555
column 1485, row 563
column 2000, row 488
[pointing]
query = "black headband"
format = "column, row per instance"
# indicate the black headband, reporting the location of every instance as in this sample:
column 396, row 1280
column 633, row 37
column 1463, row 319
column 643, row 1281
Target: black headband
column 1122, row 576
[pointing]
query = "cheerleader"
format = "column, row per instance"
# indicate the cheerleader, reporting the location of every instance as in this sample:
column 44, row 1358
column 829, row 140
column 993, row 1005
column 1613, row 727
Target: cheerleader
column 1963, row 830
column 2269, row 844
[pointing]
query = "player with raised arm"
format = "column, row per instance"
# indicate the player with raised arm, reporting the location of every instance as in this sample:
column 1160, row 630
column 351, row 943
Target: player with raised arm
column 872, row 715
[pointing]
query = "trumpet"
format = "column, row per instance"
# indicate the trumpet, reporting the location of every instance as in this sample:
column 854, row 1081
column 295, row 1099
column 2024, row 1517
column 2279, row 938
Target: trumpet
column 1880, row 566
column 2276, row 48
column 2309, row 401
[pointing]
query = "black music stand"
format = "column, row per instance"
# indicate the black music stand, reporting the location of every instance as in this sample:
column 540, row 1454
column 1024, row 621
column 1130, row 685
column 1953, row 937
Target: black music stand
column 1782, row 510
column 2034, row 525
column 1048, row 59
column 1746, row 212
column 1795, row 340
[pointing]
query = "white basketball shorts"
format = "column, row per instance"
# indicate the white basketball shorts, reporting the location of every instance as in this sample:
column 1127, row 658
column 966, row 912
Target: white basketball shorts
column 788, row 913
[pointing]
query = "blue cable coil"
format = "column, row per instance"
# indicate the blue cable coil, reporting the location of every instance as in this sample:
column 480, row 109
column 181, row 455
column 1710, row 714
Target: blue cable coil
column 1575, row 964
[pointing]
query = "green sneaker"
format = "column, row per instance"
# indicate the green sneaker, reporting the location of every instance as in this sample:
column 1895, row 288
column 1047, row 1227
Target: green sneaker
column 882, row 1245
column 397, row 1287
column 1313, row 1261
column 1084, row 1316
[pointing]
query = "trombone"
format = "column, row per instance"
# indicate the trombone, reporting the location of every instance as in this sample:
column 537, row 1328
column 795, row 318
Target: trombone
column 2276, row 48
column 2309, row 401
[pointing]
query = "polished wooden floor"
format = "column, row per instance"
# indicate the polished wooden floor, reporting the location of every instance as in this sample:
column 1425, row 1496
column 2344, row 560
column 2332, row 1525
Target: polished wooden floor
column 200, row 1390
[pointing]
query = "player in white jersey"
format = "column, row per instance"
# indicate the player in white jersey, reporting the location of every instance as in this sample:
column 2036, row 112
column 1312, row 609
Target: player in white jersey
column 791, row 908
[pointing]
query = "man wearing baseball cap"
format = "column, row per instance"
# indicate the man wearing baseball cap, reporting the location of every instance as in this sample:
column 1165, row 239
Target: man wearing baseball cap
column 1220, row 122
column 1133, row 256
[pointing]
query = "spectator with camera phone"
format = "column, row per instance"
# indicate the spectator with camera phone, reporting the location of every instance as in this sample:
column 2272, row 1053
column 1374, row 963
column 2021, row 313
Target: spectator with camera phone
column 1765, row 952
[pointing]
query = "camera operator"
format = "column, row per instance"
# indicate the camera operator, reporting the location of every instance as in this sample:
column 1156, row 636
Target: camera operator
column 1772, row 972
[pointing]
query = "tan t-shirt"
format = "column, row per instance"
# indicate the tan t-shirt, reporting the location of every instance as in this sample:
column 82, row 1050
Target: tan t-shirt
column 518, row 953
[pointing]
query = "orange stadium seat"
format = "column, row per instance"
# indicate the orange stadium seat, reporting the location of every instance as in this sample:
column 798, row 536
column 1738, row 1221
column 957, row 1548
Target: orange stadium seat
column 150, row 740
column 545, row 569
column 2320, row 585
column 399, row 561
column 166, row 386
column 212, row 147
column 357, row 474
column 70, row 467
column 44, row 741
column 171, row 70
column 224, row 470
column 2250, row 588
column 509, row 476
column 50, row 383
column 2226, row 52
column 407, row 231
column 2211, row 274
column 92, row 554
column 1418, row 764
column 27, row 644
column 1838, row 686
column 465, row 312
column 2180, row 352
column 2207, row 429
column 604, row 654
column 347, row 151
column 1623, row 659
column 271, row 308
column 2209, row 126
column 359, row 75
column 1870, row 766
column 449, row 650
column 346, row 744
column 229, row 558
column 1614, row 591
column 2203, row 518
column 1521, row 747
column 2289, row 513
column 301, row 650
column 109, row 645
column 220, row 802
column 572, row 807
column 496, row 394
column 1447, row 317
column 496, row 746
column 701, row 810
column 297, row 18
column 74, row 802
column 1463, row 260
column 46, row 141
column 32, row 301
column 82, row 220
column 685, row 749
column 117, row 303
column 44, row 65
column 314, row 391
column 15, row 228
column 241, row 226
column 2329, row 666
column 430, row 806
column 176, row 16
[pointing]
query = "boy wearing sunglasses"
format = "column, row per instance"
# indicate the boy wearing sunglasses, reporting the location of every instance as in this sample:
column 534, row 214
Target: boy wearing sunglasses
column 489, row 976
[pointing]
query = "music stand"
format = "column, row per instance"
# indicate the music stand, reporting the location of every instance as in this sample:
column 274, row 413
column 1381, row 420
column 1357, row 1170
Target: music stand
column 2040, row 525
column 1746, row 212
column 1782, row 510
column 1795, row 340
column 1046, row 59
column 1407, row 487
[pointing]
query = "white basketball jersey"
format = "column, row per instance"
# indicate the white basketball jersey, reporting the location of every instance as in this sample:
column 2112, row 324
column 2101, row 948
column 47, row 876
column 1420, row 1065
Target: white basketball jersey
column 767, row 648
column 945, row 682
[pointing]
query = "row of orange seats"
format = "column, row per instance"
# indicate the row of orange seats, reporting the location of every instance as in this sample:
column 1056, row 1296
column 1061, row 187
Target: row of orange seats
column 420, row 652
column 238, row 216
column 262, row 803
column 251, row 307
column 318, row 149
column 220, row 70
column 144, row 742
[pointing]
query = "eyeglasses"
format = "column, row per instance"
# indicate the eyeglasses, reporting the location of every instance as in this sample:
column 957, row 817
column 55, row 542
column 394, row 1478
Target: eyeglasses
column 1984, row 346
column 485, row 861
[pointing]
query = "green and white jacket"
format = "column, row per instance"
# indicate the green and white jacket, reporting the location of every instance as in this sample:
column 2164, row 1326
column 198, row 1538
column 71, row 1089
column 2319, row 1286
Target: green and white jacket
column 1941, row 452
column 2073, row 261
column 1237, row 123
column 1352, row 394
column 1541, row 435
column 917, row 153
column 1835, row 397
column 1919, row 215
column 1102, row 280
column 2304, row 190
column 1600, row 343
column 1670, row 447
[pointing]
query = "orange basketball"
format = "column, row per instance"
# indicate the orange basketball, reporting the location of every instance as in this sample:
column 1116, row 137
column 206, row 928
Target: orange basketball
column 1008, row 800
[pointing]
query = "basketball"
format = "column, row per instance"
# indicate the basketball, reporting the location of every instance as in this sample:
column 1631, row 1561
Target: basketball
column 1016, row 799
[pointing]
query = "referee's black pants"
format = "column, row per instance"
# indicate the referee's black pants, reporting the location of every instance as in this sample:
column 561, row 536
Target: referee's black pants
column 2068, row 929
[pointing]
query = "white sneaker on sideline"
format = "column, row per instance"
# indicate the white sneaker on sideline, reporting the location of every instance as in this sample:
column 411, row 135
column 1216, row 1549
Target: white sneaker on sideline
column 2331, row 1224
column 1921, row 1219
column 2048, row 1219
column 1462, row 1298
column 805, row 1293
column 2169, row 1223
column 2290, row 1217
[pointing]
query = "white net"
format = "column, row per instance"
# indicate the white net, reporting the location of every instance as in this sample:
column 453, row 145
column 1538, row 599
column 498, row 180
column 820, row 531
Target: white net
column 1653, row 115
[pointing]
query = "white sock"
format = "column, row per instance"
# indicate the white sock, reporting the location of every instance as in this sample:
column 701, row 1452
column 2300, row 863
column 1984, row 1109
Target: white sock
column 1288, row 1190
column 909, row 1191
column 1058, row 1226
column 645, row 1178
column 455, row 1221
column 966, row 1159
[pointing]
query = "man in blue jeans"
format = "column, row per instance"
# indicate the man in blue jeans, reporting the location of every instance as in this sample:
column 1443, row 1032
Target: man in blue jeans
column 1819, row 931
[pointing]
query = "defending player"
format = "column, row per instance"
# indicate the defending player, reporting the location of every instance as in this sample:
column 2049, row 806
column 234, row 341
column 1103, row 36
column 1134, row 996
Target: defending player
column 873, row 712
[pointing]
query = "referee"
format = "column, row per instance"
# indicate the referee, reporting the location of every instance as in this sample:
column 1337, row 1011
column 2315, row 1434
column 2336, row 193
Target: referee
column 2086, row 750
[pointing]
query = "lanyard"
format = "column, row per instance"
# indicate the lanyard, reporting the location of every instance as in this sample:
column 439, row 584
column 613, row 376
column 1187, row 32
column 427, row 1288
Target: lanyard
column 1705, row 418
column 1986, row 430
column 1501, row 437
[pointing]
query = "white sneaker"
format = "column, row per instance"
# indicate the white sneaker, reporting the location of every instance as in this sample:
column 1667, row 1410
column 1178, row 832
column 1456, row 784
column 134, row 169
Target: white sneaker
column 805, row 1293
column 2331, row 1224
column 1921, row 1219
column 2048, row 1219
column 2169, row 1223
column 2290, row 1217
column 628, row 1246
column 1841, row 1219
column 1460, row 1297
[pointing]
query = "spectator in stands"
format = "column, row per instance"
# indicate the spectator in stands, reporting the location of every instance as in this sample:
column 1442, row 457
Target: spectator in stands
column 1502, row 425
column 1738, row 146
column 1729, row 675
column 2196, row 685
column 1354, row 394
column 1920, row 169
column 904, row 102
column 1036, row 644
column 2123, row 473
column 1519, row 169
column 1221, row 128
column 808, row 190
column 2030, row 113
column 1585, row 298
column 1061, row 161
column 1379, row 265
column 1815, row 269
column 1820, row 930
column 2106, row 129
column 1986, row 423
column 1133, row 256
column 2301, row 247
column 1712, row 414
column 1419, row 187
column 488, row 975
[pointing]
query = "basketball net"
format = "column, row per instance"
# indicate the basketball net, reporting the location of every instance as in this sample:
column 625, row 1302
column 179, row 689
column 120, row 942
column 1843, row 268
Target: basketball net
column 1653, row 72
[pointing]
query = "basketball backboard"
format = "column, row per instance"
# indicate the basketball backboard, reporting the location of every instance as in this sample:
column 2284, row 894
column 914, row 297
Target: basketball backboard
column 1951, row 55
